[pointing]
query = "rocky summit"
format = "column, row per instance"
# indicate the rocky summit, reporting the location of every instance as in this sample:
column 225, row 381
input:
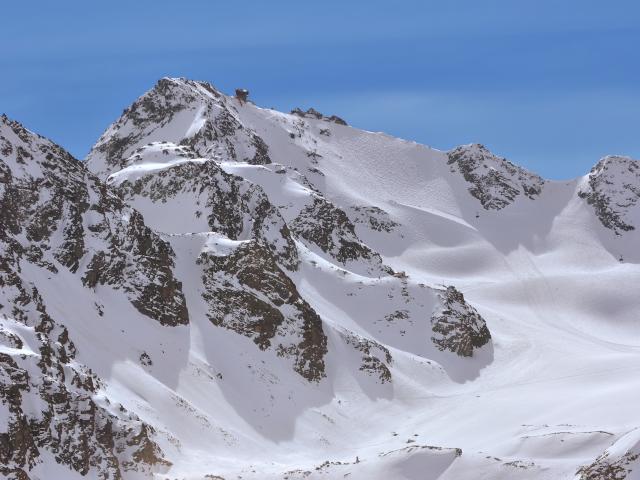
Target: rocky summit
column 222, row 291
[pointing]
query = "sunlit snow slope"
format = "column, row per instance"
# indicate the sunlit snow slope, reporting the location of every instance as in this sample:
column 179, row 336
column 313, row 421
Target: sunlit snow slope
column 357, row 306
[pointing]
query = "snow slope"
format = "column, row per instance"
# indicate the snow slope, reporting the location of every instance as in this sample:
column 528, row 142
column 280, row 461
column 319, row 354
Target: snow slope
column 359, row 306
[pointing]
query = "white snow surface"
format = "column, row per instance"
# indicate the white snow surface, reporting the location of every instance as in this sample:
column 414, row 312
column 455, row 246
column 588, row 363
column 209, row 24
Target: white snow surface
column 556, row 387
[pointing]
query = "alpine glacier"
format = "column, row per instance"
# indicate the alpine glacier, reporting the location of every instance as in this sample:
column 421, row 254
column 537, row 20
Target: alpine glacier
column 223, row 291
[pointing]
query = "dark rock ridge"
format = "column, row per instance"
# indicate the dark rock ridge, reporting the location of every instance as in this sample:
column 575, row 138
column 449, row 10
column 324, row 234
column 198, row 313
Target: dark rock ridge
column 173, row 101
column 613, row 190
column 55, row 214
column 457, row 326
column 604, row 468
column 249, row 293
column 324, row 224
column 313, row 113
column 136, row 250
column 495, row 181
column 50, row 401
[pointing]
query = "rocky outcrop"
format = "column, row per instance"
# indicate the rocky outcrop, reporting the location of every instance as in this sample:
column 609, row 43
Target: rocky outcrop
column 314, row 114
column 323, row 224
column 55, row 214
column 49, row 399
column 457, row 326
column 612, row 189
column 609, row 469
column 617, row 462
column 247, row 292
column 495, row 181
column 376, row 358
column 373, row 217
column 156, row 294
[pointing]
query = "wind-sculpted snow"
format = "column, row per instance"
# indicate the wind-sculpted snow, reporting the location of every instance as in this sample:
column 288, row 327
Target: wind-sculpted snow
column 613, row 190
column 495, row 181
column 248, row 283
column 204, row 197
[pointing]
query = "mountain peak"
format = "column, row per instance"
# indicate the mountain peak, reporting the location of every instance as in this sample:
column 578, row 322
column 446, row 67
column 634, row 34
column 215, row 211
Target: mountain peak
column 183, row 112
column 612, row 189
column 615, row 161
column 16, row 127
column 494, row 180
column 239, row 279
column 29, row 154
column 196, row 87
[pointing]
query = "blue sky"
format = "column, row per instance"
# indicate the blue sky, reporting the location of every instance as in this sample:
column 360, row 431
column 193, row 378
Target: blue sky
column 552, row 85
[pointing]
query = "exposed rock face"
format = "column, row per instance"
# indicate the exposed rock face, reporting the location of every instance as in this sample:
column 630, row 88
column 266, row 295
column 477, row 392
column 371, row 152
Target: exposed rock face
column 157, row 294
column 376, row 358
column 457, row 326
column 313, row 113
column 18, row 449
column 249, row 293
column 608, row 469
column 495, row 181
column 617, row 462
column 227, row 204
column 323, row 224
column 49, row 401
column 56, row 214
column 613, row 191
column 373, row 217
column 169, row 112
column 246, row 287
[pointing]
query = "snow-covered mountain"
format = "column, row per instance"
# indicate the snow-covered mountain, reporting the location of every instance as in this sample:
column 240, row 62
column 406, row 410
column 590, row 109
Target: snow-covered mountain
column 223, row 291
